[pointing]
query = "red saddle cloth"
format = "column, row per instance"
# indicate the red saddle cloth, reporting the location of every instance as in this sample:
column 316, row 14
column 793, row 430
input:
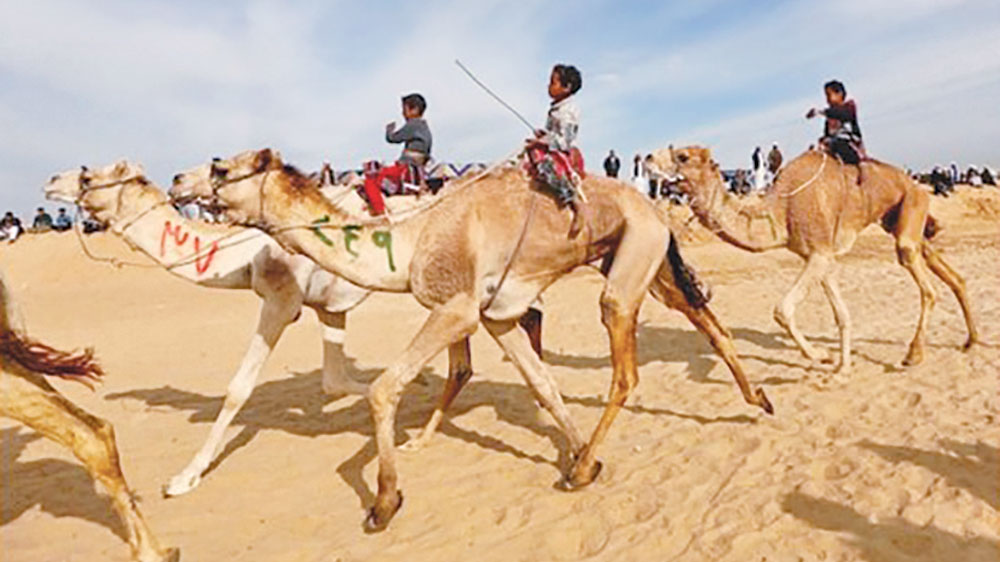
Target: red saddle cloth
column 563, row 162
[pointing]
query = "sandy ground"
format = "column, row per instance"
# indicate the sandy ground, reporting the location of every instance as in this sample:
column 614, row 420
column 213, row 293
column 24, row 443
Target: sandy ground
column 886, row 464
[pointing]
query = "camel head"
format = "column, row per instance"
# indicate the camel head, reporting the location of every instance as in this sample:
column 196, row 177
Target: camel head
column 689, row 170
column 96, row 190
column 233, row 183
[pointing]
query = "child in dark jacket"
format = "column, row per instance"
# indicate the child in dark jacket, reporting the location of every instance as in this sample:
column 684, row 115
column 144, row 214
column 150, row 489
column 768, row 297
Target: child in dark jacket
column 416, row 138
column 841, row 133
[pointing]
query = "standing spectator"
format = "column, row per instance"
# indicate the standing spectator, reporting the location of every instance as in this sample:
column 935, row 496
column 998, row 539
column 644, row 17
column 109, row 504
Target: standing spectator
column 10, row 227
column 63, row 221
column 612, row 164
column 755, row 158
column 638, row 173
column 954, row 172
column 42, row 222
column 774, row 159
column 759, row 169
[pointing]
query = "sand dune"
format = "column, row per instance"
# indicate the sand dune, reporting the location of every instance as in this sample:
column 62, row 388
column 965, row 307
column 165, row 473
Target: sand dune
column 884, row 464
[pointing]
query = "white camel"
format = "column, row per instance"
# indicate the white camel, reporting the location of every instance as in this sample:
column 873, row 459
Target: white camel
column 220, row 257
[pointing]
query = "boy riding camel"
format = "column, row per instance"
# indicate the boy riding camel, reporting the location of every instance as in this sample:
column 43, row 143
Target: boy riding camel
column 841, row 133
column 416, row 138
column 553, row 160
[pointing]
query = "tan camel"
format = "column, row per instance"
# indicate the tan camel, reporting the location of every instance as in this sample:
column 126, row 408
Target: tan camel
column 28, row 398
column 230, row 258
column 482, row 253
column 820, row 209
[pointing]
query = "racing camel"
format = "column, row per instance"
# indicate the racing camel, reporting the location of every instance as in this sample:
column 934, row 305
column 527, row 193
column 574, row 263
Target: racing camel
column 816, row 209
column 481, row 253
column 31, row 400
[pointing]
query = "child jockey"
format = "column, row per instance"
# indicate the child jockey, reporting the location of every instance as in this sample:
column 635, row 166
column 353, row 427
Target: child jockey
column 841, row 134
column 416, row 138
column 553, row 159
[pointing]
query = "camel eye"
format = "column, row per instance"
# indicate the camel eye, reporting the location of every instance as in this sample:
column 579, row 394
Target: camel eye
column 682, row 158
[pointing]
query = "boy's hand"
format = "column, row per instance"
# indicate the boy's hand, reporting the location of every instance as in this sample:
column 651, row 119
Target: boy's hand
column 539, row 133
column 390, row 126
column 811, row 113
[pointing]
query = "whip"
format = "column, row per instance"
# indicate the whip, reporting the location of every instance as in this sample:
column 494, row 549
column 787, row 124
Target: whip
column 495, row 96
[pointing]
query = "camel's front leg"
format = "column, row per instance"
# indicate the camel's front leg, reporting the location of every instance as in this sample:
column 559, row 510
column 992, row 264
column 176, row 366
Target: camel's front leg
column 459, row 373
column 841, row 314
column 275, row 315
column 336, row 381
column 92, row 440
column 784, row 313
column 447, row 324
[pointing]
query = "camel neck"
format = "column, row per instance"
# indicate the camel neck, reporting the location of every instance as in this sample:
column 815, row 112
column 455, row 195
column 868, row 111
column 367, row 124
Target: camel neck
column 371, row 253
column 733, row 219
column 200, row 253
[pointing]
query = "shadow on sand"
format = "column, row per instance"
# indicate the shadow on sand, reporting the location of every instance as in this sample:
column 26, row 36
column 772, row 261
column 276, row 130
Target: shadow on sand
column 894, row 540
column 972, row 467
column 57, row 487
column 296, row 404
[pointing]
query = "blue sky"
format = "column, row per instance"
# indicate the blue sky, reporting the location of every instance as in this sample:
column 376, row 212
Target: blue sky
column 171, row 84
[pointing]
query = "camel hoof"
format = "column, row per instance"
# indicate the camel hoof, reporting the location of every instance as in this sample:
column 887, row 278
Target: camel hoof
column 378, row 518
column 172, row 555
column 913, row 358
column 179, row 486
column 763, row 402
column 413, row 445
column 571, row 482
column 969, row 343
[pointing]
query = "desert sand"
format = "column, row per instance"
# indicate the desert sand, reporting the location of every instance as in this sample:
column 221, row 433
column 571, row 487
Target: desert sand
column 882, row 464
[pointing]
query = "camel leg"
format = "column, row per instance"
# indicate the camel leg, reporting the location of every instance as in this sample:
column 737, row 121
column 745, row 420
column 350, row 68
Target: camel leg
column 519, row 348
column 842, row 315
column 665, row 291
column 957, row 285
column 275, row 315
column 92, row 440
column 627, row 281
column 336, row 381
column 784, row 313
column 909, row 244
column 447, row 324
column 459, row 373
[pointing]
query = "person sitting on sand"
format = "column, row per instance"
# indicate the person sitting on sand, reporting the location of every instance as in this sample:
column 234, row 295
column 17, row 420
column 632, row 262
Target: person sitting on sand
column 416, row 138
column 10, row 227
column 42, row 222
column 553, row 159
column 63, row 221
column 841, row 133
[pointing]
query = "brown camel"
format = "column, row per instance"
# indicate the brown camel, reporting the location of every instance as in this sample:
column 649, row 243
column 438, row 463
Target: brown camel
column 28, row 398
column 482, row 253
column 820, row 209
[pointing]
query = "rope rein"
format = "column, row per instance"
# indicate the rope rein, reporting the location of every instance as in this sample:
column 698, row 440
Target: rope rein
column 811, row 180
column 516, row 251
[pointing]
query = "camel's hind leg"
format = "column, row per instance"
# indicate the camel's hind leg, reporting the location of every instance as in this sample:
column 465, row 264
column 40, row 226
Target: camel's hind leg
column 447, row 324
column 784, row 313
column 665, row 290
column 957, row 285
column 459, row 373
column 275, row 315
column 92, row 440
column 627, row 282
column 909, row 250
column 336, row 381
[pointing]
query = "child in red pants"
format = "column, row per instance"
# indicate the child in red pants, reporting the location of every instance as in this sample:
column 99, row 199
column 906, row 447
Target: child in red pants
column 416, row 138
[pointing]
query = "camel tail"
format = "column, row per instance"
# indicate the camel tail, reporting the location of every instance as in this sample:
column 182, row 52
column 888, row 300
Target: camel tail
column 38, row 357
column 684, row 276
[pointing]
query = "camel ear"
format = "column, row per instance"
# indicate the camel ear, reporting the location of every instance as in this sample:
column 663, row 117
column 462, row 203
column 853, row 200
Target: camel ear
column 121, row 167
column 264, row 158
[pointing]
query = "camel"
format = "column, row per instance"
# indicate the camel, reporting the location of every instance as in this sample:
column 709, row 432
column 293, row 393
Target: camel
column 481, row 253
column 234, row 258
column 220, row 257
column 30, row 399
column 819, row 209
